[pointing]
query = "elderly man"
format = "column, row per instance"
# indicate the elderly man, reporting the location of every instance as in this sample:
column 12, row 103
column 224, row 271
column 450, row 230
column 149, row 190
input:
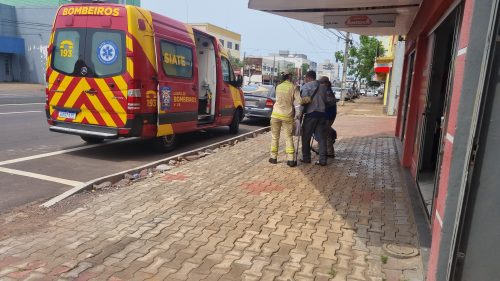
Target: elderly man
column 282, row 118
column 315, row 118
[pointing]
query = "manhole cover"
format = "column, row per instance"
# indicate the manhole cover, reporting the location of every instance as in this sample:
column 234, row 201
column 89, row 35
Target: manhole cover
column 400, row 251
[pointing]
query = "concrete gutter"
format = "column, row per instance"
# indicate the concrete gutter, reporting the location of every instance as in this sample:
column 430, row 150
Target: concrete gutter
column 120, row 175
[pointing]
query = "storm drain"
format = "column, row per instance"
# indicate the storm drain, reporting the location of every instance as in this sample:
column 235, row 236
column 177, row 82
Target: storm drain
column 400, row 251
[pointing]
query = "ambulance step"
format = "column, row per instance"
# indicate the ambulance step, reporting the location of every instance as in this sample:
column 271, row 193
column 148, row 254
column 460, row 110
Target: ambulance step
column 204, row 116
column 84, row 131
column 205, row 119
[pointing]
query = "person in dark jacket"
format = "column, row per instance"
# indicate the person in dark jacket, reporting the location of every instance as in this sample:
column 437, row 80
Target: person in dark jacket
column 314, row 121
column 331, row 114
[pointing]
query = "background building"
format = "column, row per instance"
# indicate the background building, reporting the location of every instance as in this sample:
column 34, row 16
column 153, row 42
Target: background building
column 229, row 39
column 330, row 70
column 25, row 28
column 447, row 120
column 389, row 69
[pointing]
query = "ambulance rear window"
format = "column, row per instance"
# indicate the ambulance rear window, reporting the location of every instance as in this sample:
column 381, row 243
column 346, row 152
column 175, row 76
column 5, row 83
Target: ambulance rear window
column 93, row 53
column 66, row 50
column 106, row 53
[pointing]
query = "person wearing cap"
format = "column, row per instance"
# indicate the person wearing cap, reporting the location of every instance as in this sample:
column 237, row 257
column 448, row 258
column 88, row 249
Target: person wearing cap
column 282, row 117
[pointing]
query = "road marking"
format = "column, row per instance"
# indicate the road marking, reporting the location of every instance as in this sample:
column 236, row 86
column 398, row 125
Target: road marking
column 22, row 159
column 19, row 112
column 14, row 104
column 40, row 176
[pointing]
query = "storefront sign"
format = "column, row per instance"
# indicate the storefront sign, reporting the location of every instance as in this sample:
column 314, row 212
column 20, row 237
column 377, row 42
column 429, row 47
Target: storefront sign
column 349, row 21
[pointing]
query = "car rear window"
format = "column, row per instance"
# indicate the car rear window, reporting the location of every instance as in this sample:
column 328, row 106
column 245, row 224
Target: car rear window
column 261, row 91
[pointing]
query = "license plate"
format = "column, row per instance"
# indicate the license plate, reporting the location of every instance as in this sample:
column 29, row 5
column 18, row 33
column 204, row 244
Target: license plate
column 67, row 114
column 251, row 103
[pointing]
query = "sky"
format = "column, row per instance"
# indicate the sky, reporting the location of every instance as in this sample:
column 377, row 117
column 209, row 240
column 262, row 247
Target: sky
column 261, row 33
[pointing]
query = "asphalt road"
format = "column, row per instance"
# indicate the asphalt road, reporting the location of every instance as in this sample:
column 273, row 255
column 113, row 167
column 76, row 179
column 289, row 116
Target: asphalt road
column 36, row 164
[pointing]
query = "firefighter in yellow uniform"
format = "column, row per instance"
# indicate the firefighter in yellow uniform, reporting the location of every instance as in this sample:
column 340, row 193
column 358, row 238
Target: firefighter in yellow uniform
column 282, row 117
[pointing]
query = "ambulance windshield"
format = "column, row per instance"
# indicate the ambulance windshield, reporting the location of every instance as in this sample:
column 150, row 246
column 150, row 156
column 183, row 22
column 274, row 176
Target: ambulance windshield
column 89, row 52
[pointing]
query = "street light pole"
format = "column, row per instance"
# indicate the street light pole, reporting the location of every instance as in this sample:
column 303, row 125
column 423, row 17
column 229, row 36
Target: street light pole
column 272, row 71
column 344, row 69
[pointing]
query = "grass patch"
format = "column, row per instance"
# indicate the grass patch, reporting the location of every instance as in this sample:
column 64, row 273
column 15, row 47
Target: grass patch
column 384, row 259
column 332, row 273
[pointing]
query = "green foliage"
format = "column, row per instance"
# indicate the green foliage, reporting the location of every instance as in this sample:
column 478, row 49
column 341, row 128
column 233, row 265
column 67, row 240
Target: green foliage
column 235, row 62
column 384, row 259
column 305, row 68
column 333, row 273
column 362, row 58
column 290, row 68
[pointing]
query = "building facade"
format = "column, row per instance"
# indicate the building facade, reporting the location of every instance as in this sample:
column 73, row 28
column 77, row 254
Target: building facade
column 25, row 28
column 229, row 39
column 388, row 69
column 330, row 70
column 447, row 128
column 267, row 69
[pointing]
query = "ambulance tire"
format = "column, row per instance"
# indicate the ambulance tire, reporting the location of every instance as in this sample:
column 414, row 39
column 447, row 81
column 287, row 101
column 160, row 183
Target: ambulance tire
column 92, row 140
column 235, row 124
column 166, row 144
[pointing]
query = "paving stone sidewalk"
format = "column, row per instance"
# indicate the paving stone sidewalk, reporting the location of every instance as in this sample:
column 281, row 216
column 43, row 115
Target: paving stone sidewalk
column 234, row 216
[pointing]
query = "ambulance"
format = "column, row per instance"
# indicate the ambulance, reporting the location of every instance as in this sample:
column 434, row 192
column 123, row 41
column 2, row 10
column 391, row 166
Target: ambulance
column 121, row 71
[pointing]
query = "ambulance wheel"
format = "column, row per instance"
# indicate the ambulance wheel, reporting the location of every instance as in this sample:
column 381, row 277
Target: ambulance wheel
column 166, row 143
column 92, row 140
column 235, row 124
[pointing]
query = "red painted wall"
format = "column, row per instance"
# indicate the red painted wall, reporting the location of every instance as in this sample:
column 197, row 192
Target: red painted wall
column 419, row 40
column 458, row 76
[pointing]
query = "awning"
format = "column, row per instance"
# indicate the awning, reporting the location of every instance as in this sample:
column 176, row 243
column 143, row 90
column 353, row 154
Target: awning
column 382, row 67
column 366, row 17
column 11, row 45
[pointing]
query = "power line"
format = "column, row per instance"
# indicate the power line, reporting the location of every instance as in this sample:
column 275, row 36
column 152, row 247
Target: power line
column 301, row 36
column 292, row 51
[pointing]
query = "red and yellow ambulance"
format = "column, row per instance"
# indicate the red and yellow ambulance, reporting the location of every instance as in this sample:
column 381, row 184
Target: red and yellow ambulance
column 122, row 71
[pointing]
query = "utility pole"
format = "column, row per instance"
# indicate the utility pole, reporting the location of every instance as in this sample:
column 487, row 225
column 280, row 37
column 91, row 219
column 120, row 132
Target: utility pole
column 344, row 68
column 244, row 65
column 272, row 71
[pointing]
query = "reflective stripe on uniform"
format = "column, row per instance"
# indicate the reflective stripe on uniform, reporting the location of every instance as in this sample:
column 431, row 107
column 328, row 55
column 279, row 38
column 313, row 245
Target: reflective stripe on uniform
column 274, row 149
column 281, row 116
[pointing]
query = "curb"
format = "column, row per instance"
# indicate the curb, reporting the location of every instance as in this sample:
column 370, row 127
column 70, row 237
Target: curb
column 118, row 176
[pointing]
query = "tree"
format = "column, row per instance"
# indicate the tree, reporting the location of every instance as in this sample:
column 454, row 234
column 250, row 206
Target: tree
column 362, row 59
column 304, row 67
column 290, row 68
column 235, row 62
